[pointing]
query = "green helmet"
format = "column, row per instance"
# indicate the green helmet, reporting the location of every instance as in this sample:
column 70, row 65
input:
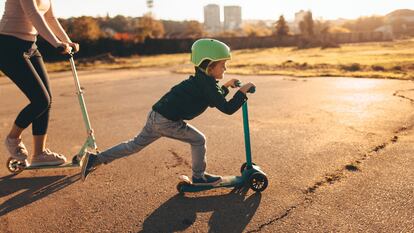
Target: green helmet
column 210, row 49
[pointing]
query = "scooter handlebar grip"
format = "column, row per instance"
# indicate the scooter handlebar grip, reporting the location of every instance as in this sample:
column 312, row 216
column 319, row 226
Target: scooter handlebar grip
column 239, row 84
column 252, row 90
column 61, row 50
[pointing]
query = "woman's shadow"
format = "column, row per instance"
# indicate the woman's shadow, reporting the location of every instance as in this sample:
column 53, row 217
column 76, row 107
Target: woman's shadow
column 232, row 212
column 35, row 188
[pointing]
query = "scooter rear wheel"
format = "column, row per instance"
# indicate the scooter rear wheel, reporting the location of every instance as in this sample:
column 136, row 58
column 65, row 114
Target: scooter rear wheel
column 258, row 182
column 15, row 166
column 180, row 186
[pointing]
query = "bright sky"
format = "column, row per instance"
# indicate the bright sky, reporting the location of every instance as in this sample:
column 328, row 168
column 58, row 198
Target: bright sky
column 251, row 9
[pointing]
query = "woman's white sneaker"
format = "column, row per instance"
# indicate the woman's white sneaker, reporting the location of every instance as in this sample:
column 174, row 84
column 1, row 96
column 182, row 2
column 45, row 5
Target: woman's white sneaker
column 48, row 158
column 16, row 148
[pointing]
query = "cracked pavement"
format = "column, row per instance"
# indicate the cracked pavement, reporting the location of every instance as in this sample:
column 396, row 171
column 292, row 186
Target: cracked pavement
column 338, row 153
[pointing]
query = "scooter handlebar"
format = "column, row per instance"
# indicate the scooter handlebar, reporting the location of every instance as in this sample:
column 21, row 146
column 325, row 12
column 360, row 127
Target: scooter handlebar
column 61, row 50
column 251, row 90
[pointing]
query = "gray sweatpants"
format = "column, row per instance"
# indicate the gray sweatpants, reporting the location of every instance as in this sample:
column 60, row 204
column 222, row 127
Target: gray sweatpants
column 158, row 126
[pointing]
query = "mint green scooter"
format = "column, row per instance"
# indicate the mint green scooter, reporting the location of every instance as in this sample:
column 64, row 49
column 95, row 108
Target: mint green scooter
column 251, row 174
column 15, row 166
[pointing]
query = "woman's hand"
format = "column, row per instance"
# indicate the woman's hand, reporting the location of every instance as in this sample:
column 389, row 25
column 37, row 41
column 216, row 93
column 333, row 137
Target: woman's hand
column 231, row 83
column 64, row 48
column 246, row 87
column 75, row 47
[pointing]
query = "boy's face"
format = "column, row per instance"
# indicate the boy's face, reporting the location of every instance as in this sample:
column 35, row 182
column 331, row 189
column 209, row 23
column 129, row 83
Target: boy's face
column 218, row 70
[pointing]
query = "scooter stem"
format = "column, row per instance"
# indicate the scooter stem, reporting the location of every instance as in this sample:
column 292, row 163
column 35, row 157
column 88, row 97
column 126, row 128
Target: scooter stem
column 79, row 93
column 247, row 135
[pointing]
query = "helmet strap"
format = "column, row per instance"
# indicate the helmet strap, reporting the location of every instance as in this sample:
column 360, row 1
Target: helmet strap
column 204, row 65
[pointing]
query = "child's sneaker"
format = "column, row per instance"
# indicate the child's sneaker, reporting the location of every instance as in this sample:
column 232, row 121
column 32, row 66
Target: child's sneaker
column 207, row 179
column 16, row 148
column 89, row 164
column 48, row 158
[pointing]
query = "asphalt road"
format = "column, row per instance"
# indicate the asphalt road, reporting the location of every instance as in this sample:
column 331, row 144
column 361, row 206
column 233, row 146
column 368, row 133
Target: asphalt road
column 338, row 153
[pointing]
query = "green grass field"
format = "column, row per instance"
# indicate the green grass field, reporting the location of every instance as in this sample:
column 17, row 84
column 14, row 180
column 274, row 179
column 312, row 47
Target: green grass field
column 371, row 60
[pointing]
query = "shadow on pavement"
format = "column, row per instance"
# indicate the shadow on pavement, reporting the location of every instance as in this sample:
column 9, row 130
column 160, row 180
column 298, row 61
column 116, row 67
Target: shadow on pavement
column 30, row 189
column 231, row 212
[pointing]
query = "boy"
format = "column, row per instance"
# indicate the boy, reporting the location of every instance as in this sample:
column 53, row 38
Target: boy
column 184, row 101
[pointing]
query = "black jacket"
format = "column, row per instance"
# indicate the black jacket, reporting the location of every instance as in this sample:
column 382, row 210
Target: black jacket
column 192, row 96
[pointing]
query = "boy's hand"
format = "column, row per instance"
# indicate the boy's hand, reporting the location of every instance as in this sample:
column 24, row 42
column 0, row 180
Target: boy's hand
column 231, row 83
column 246, row 87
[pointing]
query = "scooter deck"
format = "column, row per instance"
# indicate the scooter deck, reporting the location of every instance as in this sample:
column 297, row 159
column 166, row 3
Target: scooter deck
column 66, row 165
column 227, row 181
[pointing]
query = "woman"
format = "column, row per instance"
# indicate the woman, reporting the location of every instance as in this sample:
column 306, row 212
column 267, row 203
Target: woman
column 21, row 61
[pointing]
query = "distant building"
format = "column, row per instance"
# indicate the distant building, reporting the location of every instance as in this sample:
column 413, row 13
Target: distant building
column 299, row 16
column 232, row 18
column 212, row 18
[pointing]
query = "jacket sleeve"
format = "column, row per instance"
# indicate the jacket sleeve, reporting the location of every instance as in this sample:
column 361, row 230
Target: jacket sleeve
column 225, row 90
column 216, row 99
column 36, row 18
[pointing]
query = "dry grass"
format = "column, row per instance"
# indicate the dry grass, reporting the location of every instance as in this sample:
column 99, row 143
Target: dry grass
column 122, row 63
column 372, row 60
column 375, row 60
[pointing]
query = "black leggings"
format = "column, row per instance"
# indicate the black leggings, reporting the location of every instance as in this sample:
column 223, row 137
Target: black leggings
column 23, row 64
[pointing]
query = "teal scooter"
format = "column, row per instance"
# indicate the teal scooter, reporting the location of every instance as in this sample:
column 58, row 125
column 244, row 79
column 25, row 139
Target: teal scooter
column 251, row 174
column 16, row 166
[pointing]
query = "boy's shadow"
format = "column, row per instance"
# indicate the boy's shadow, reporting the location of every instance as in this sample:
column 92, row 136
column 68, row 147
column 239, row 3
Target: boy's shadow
column 231, row 212
column 35, row 188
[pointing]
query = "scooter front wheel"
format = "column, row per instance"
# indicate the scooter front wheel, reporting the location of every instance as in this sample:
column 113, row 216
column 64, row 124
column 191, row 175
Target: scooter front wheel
column 15, row 166
column 258, row 182
column 243, row 167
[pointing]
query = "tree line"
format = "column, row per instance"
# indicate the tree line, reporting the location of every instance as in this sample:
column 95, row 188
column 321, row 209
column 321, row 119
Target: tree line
column 125, row 36
column 138, row 28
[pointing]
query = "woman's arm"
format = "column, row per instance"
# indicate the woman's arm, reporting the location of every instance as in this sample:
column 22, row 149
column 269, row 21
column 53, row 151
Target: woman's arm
column 30, row 9
column 56, row 26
